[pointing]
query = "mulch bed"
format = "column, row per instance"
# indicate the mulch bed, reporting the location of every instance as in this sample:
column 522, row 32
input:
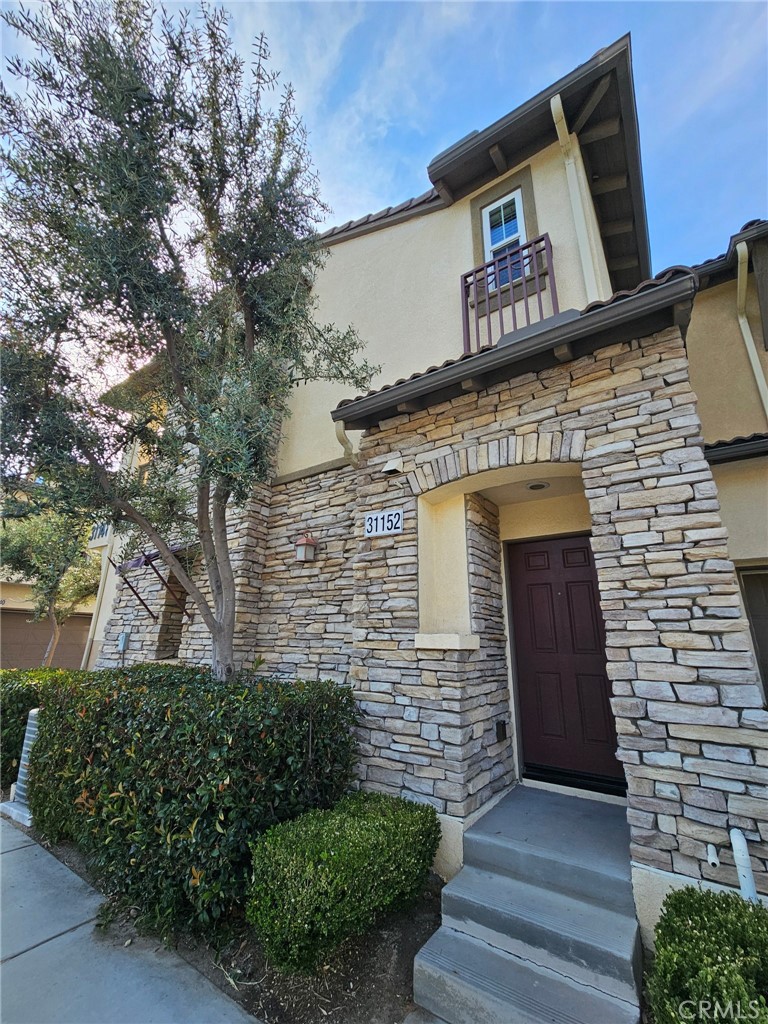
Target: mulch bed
column 368, row 980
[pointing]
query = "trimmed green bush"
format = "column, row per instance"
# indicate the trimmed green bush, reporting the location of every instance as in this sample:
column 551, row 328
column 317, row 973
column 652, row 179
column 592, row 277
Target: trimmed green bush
column 330, row 874
column 162, row 776
column 711, row 948
column 20, row 691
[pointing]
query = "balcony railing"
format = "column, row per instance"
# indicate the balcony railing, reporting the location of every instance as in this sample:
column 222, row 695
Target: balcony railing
column 508, row 293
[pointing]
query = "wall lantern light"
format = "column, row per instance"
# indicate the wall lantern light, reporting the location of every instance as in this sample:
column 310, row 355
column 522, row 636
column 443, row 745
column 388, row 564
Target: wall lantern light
column 306, row 547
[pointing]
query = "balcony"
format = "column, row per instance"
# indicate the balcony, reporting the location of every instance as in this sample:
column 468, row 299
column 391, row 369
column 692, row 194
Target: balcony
column 515, row 290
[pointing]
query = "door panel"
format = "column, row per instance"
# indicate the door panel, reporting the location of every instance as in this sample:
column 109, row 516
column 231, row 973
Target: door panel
column 566, row 721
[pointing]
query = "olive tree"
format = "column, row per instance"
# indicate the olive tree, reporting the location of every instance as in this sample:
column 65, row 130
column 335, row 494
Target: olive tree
column 158, row 255
column 50, row 552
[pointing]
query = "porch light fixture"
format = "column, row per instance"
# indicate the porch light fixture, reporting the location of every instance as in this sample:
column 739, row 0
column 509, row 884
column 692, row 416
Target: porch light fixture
column 537, row 485
column 306, row 547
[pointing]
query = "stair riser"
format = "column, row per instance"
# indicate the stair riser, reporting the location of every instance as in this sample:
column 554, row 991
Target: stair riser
column 458, row 1003
column 614, row 972
column 549, row 873
column 441, row 989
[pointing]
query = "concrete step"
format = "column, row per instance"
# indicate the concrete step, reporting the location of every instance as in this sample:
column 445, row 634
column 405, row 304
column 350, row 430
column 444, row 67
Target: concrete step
column 593, row 945
column 466, row 981
column 562, row 843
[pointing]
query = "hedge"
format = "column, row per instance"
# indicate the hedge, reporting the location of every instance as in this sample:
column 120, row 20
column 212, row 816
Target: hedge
column 163, row 778
column 330, row 874
column 711, row 951
column 20, row 691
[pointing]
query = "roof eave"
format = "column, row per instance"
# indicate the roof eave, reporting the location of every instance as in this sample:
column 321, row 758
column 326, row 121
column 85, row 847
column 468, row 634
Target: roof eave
column 646, row 312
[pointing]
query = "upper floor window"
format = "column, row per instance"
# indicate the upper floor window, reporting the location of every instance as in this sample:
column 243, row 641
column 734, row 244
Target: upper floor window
column 503, row 232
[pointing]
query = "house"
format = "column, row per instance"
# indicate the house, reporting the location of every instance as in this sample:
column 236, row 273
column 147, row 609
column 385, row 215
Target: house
column 542, row 542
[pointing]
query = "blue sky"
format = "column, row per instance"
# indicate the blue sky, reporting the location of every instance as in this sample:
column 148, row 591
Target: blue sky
column 383, row 87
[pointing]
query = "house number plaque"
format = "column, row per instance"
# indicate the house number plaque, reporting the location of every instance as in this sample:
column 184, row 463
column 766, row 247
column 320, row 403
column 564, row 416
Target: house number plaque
column 381, row 524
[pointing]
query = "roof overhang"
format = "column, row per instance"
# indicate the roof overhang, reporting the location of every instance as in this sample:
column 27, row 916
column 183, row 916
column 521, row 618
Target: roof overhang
column 645, row 312
column 738, row 448
column 723, row 268
column 599, row 104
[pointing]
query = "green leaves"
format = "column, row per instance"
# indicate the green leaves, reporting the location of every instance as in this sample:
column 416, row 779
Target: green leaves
column 711, row 948
column 165, row 805
column 159, row 214
column 330, row 874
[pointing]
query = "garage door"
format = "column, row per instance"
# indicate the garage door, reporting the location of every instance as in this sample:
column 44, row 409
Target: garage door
column 23, row 643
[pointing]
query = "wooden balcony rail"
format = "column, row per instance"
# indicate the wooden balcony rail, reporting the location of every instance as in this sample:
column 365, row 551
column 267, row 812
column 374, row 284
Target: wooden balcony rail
column 506, row 294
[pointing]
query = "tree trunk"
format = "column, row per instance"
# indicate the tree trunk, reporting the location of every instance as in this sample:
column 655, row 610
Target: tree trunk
column 53, row 643
column 222, row 653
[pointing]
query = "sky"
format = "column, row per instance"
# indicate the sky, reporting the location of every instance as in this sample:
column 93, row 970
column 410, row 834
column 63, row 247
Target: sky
column 384, row 86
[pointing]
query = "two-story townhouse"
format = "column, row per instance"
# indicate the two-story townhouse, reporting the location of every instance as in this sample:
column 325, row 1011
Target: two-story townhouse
column 538, row 548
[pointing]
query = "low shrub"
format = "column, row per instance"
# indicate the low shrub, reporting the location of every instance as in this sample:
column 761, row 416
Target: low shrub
column 20, row 691
column 162, row 776
column 330, row 874
column 711, row 949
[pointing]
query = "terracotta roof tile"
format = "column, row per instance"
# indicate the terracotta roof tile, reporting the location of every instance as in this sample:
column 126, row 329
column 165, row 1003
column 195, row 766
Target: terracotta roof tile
column 430, row 196
column 655, row 282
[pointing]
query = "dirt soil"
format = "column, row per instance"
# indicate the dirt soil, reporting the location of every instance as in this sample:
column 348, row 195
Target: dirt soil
column 368, row 980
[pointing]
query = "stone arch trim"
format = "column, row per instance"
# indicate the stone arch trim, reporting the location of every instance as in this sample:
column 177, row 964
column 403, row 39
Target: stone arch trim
column 691, row 721
column 534, row 447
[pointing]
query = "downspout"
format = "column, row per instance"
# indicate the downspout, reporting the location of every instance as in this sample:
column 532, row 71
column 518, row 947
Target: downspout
column 742, row 253
column 105, row 564
column 343, row 438
column 743, row 866
column 577, row 203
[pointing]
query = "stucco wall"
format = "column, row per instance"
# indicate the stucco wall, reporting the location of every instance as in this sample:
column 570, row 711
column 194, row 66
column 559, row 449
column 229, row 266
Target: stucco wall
column 400, row 288
column 743, row 491
column 721, row 374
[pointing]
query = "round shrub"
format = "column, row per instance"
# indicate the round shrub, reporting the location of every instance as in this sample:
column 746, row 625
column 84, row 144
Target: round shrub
column 163, row 779
column 330, row 874
column 711, row 950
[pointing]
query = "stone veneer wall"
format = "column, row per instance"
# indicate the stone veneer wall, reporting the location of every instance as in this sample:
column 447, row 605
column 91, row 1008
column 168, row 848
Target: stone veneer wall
column 301, row 620
column 248, row 533
column 692, row 731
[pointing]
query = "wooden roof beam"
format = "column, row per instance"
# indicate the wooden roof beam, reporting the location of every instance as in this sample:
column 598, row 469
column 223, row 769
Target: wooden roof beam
column 601, row 130
column 610, row 228
column 599, row 90
column 444, row 192
column 611, row 183
column 623, row 263
column 499, row 160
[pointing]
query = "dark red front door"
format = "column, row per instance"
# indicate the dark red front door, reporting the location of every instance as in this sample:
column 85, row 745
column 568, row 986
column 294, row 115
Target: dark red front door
column 567, row 726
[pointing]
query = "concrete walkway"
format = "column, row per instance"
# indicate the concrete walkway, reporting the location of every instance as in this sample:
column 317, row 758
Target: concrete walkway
column 57, row 968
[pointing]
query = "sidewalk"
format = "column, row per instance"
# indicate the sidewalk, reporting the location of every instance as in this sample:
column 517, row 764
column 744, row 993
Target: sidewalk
column 57, row 968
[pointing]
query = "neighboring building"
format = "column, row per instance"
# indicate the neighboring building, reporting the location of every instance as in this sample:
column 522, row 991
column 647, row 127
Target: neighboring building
column 23, row 642
column 572, row 459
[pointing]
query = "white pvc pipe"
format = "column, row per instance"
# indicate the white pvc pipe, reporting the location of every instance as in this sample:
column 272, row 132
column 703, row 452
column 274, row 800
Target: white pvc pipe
column 746, row 331
column 743, row 865
column 577, row 201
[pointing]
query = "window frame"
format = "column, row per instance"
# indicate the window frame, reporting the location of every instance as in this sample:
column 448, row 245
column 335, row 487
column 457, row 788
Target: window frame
column 516, row 195
column 757, row 649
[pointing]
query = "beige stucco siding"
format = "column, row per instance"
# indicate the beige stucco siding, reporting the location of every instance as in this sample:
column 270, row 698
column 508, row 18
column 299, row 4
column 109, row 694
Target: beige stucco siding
column 400, row 288
column 550, row 517
column 743, row 491
column 721, row 374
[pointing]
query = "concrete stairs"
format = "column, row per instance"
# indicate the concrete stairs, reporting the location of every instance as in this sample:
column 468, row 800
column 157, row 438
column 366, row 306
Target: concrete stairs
column 539, row 925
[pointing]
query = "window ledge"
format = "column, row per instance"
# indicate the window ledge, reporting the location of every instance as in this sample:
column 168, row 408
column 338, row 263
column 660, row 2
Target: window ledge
column 447, row 642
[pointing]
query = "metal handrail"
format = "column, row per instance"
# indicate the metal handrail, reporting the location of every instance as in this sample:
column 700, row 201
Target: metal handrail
column 516, row 276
